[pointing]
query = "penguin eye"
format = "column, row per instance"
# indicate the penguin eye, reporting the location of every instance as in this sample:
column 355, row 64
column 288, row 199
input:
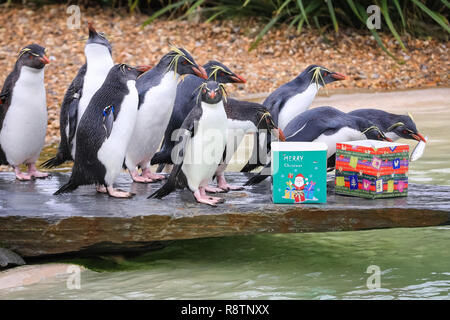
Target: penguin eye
column 222, row 74
column 184, row 62
column 405, row 131
column 325, row 74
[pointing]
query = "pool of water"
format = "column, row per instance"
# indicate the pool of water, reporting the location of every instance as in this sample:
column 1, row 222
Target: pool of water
column 414, row 263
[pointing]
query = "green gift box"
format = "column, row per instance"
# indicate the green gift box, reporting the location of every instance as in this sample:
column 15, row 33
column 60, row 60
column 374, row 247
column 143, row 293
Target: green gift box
column 299, row 172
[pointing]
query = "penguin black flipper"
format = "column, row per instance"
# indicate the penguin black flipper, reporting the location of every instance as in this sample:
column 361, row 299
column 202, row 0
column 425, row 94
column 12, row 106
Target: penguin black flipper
column 5, row 101
column 108, row 119
column 274, row 110
column 177, row 178
column 68, row 119
column 301, row 128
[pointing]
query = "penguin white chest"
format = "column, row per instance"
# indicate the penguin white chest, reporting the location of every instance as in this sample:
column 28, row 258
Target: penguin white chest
column 99, row 62
column 342, row 135
column 296, row 105
column 152, row 120
column 112, row 152
column 24, row 127
column 204, row 151
column 237, row 129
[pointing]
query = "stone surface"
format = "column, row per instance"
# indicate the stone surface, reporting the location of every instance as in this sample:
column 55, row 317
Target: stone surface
column 9, row 258
column 26, row 275
column 33, row 222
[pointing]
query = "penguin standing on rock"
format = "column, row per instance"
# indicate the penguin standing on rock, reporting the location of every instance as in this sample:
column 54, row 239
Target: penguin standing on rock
column 87, row 81
column 200, row 147
column 395, row 126
column 23, row 113
column 157, row 90
column 104, row 132
column 243, row 117
column 185, row 101
column 327, row 125
column 290, row 100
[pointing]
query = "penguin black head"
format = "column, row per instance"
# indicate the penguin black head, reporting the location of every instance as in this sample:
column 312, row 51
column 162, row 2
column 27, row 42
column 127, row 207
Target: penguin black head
column 97, row 37
column 221, row 73
column 321, row 75
column 406, row 128
column 211, row 92
column 128, row 72
column 33, row 56
column 372, row 132
column 180, row 61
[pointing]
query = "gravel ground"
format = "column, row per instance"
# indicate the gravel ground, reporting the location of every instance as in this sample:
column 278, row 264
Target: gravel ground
column 281, row 56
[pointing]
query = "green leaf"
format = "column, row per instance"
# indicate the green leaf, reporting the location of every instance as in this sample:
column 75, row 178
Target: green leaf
column 261, row 34
column 280, row 9
column 303, row 12
column 400, row 12
column 352, row 6
column 436, row 17
column 164, row 10
column 333, row 15
column 385, row 11
column 193, row 7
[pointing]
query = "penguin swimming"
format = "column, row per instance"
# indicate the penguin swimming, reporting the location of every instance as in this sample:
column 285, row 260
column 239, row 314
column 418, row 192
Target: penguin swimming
column 157, row 90
column 289, row 100
column 23, row 113
column 104, row 132
column 200, row 147
column 87, row 81
column 185, row 101
column 395, row 126
column 327, row 125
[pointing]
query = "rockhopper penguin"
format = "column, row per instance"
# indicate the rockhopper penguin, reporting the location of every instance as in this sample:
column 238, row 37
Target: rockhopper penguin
column 87, row 81
column 200, row 146
column 104, row 132
column 157, row 89
column 23, row 113
column 243, row 117
column 185, row 101
column 395, row 126
column 327, row 125
column 288, row 101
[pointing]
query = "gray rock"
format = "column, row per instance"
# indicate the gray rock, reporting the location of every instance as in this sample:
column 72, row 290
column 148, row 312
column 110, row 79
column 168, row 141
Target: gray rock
column 34, row 222
column 9, row 258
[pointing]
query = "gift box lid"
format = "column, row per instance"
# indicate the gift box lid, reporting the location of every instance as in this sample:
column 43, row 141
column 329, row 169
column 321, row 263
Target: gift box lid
column 373, row 146
column 298, row 146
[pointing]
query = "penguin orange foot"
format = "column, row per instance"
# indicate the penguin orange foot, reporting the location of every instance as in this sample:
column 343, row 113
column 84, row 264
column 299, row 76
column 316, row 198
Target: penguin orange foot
column 21, row 176
column 212, row 189
column 32, row 171
column 117, row 193
column 146, row 173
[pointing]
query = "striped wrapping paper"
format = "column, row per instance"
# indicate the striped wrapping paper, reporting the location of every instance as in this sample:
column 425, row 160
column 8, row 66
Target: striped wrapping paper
column 372, row 169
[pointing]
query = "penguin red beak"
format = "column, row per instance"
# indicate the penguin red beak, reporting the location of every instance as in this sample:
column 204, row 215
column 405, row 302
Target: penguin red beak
column 238, row 79
column 338, row 76
column 212, row 94
column 143, row 68
column 45, row 60
column 91, row 26
column 418, row 137
column 200, row 72
column 387, row 139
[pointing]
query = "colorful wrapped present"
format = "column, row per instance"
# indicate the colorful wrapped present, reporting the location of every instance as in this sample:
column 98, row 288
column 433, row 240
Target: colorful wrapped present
column 372, row 169
column 302, row 167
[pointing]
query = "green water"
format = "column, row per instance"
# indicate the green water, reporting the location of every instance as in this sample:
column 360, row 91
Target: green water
column 414, row 263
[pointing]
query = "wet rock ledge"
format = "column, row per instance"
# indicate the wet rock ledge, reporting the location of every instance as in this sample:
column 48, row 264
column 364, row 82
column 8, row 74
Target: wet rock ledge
column 33, row 222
